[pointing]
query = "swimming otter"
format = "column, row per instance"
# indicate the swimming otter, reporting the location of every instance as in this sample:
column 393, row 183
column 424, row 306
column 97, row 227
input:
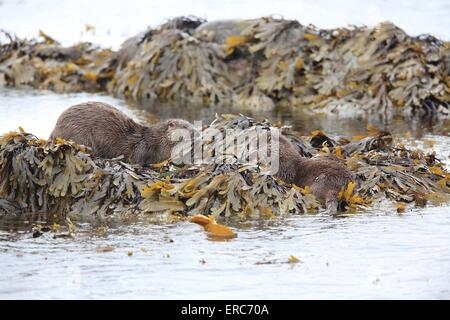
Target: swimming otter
column 324, row 175
column 110, row 133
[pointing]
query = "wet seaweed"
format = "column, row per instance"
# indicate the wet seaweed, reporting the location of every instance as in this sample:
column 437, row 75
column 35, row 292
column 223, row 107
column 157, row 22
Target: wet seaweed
column 174, row 65
column 45, row 64
column 61, row 178
column 258, row 63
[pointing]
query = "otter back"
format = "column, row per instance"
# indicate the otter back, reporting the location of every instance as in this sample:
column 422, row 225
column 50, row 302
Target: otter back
column 324, row 175
column 109, row 132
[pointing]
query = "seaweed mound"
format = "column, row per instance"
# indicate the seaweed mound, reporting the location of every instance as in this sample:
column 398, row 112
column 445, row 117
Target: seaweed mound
column 266, row 62
column 49, row 66
column 60, row 177
column 170, row 64
column 256, row 63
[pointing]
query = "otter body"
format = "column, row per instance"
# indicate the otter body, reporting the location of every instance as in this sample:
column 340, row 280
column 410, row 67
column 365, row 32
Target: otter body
column 110, row 133
column 324, row 175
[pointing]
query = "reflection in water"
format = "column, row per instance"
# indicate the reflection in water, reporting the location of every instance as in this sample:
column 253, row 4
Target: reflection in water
column 373, row 254
column 37, row 112
column 299, row 118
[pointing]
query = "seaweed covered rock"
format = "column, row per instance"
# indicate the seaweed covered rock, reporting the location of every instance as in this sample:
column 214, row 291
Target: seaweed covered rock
column 60, row 177
column 171, row 64
column 237, row 190
column 47, row 65
column 379, row 70
column 386, row 169
column 257, row 63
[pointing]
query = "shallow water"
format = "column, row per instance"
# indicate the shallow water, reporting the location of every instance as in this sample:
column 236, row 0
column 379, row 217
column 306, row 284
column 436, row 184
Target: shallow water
column 369, row 255
column 373, row 254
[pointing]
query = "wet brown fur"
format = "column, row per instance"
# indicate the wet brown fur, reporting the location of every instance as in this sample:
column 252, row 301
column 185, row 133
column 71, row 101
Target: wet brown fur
column 110, row 133
column 324, row 175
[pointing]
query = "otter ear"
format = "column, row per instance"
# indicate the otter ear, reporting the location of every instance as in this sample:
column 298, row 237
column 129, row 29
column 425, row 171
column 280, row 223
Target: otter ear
column 171, row 124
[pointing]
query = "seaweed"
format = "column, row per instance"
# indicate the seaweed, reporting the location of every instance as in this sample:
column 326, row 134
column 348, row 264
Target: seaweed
column 174, row 65
column 48, row 65
column 59, row 177
column 257, row 63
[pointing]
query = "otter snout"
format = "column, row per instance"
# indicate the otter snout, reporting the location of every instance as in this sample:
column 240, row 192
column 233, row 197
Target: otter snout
column 179, row 130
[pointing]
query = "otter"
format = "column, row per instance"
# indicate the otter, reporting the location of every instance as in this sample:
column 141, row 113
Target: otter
column 325, row 175
column 110, row 133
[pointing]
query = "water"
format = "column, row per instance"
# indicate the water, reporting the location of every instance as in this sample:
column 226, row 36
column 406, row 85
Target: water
column 375, row 254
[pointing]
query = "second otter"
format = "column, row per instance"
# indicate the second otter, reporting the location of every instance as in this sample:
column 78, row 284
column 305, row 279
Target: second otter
column 325, row 176
column 110, row 133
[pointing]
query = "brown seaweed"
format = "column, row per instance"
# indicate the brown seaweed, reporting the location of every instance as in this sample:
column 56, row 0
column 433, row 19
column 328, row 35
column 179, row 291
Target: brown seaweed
column 258, row 63
column 62, row 178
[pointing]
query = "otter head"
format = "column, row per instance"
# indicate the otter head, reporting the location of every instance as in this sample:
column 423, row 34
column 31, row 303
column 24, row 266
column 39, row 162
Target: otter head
column 172, row 133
